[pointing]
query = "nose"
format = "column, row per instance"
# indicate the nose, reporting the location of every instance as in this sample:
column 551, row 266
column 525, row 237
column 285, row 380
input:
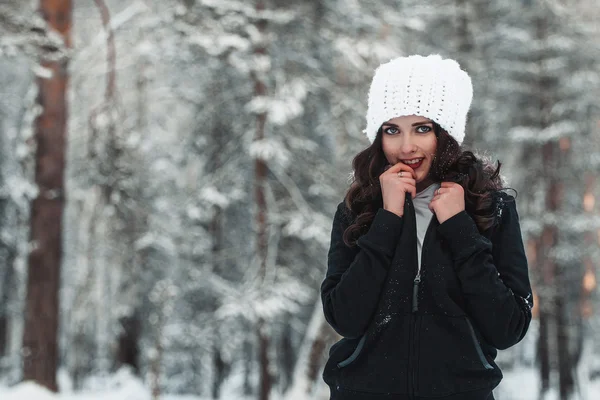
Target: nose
column 407, row 144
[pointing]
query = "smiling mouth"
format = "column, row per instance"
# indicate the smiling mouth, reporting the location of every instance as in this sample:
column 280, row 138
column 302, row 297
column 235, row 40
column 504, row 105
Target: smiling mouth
column 414, row 163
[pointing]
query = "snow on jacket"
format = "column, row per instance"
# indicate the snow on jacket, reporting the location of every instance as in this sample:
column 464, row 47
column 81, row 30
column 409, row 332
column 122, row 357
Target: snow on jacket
column 433, row 338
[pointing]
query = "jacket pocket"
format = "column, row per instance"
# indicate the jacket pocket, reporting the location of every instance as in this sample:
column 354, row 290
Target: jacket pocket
column 379, row 363
column 341, row 351
column 478, row 349
column 354, row 354
column 449, row 351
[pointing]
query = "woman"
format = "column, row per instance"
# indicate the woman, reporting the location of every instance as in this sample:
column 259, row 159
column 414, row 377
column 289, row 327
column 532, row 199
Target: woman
column 427, row 275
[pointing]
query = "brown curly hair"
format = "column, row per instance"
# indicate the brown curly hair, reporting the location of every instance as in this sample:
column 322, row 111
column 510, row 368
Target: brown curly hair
column 479, row 179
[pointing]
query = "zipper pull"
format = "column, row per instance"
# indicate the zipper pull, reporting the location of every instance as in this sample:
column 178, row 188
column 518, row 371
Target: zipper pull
column 415, row 300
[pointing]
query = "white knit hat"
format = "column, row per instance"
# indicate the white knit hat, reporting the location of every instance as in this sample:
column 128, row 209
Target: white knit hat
column 430, row 87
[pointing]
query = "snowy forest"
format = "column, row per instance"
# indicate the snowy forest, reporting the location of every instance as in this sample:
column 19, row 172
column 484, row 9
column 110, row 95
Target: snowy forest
column 169, row 172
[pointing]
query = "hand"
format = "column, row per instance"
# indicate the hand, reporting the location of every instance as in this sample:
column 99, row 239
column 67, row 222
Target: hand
column 448, row 201
column 394, row 187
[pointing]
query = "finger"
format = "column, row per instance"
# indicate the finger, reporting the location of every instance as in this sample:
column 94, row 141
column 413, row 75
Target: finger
column 395, row 168
column 410, row 187
column 400, row 166
column 409, row 169
column 409, row 183
column 449, row 184
column 436, row 200
column 408, row 179
column 432, row 206
column 406, row 170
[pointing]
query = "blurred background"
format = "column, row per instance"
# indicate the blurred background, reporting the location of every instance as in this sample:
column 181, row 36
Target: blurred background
column 169, row 172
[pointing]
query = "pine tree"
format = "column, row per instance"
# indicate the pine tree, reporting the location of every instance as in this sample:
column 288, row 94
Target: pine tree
column 549, row 81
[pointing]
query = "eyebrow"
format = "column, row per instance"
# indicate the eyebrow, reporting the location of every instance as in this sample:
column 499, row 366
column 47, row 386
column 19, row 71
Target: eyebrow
column 415, row 124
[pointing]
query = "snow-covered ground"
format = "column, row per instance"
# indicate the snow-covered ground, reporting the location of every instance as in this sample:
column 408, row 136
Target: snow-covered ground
column 123, row 385
column 520, row 384
column 523, row 384
column 133, row 390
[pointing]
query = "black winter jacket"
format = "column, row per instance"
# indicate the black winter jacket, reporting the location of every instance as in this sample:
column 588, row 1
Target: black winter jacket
column 437, row 338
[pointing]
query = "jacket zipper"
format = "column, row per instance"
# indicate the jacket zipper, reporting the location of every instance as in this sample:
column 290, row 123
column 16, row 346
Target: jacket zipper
column 414, row 358
column 417, row 280
column 413, row 336
column 415, row 300
column 410, row 382
column 414, row 315
column 413, row 318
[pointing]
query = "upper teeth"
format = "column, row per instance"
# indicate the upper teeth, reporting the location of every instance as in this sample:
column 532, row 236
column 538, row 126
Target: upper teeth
column 413, row 161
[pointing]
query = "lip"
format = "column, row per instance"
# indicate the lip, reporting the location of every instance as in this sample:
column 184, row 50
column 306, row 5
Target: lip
column 414, row 166
column 414, row 158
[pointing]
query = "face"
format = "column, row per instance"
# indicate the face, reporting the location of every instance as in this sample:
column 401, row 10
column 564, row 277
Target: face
column 411, row 140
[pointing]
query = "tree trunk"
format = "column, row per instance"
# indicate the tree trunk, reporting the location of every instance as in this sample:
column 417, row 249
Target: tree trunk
column 8, row 285
column 555, row 157
column 465, row 41
column 216, row 232
column 219, row 372
column 260, row 174
column 287, row 355
column 548, row 236
column 543, row 354
column 309, row 362
column 248, row 364
column 128, row 342
column 40, row 344
column 155, row 366
column 263, row 358
column 128, row 350
column 565, row 368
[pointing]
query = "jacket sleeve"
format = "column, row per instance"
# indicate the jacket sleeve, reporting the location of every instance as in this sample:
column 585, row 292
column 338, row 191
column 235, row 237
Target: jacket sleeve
column 355, row 276
column 493, row 275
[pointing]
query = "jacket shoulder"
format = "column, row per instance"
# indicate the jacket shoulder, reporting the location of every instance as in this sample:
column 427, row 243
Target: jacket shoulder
column 504, row 210
column 502, row 201
column 344, row 214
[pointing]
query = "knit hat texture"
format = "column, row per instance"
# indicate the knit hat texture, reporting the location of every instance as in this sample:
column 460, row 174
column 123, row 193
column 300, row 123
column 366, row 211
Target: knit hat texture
column 431, row 87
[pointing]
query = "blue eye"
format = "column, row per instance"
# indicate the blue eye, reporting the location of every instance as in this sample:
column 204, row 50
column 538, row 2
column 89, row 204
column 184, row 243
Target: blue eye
column 423, row 126
column 387, row 130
